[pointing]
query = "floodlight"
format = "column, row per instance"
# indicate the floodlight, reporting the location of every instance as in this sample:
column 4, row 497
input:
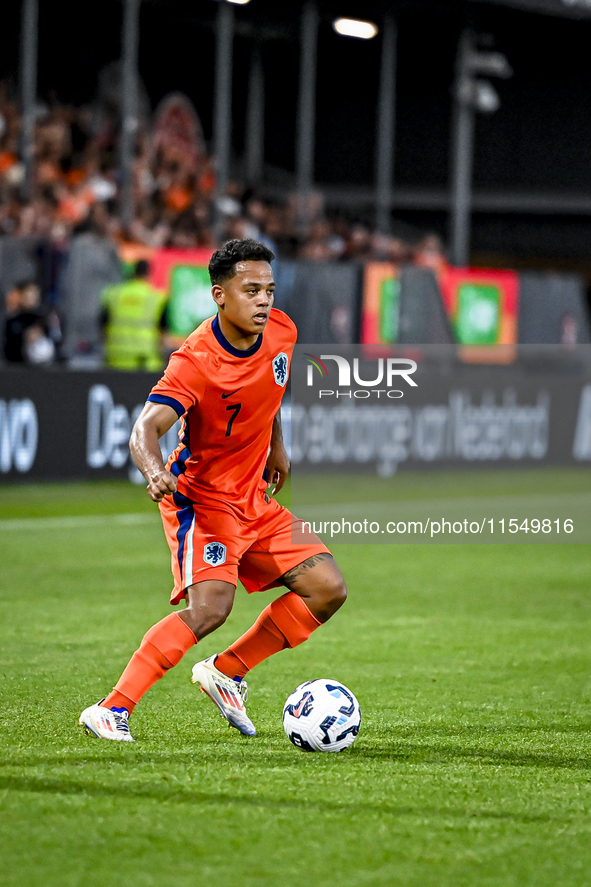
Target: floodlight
column 492, row 64
column 352, row 27
column 480, row 95
column 486, row 98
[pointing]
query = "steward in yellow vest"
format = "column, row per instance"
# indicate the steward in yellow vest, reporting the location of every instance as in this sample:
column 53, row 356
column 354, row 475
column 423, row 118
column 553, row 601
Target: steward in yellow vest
column 132, row 318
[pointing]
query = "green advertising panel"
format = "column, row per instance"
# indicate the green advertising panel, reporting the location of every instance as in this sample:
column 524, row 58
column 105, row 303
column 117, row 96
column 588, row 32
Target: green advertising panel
column 190, row 300
column 478, row 314
column 389, row 309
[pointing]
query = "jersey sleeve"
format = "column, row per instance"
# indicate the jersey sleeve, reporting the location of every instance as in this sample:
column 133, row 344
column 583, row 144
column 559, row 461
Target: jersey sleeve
column 182, row 384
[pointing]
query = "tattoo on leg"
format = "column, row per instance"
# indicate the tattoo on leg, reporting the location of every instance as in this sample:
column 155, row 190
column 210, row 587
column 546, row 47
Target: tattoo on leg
column 295, row 573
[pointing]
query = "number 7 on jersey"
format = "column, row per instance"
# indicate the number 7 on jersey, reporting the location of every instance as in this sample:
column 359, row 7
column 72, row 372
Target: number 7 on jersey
column 235, row 407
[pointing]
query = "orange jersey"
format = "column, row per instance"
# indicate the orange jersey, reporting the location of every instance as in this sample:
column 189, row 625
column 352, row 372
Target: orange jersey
column 227, row 400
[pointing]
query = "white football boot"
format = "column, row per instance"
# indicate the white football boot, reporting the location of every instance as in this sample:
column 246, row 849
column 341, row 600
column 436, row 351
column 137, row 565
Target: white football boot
column 228, row 695
column 106, row 723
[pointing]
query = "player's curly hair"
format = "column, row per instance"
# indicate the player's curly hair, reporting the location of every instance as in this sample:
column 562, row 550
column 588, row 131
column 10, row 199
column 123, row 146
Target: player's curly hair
column 222, row 265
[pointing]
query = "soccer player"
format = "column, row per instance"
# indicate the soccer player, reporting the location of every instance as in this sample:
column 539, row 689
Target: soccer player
column 226, row 383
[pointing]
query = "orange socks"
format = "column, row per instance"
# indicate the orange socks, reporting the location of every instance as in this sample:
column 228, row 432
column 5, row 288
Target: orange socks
column 163, row 646
column 287, row 622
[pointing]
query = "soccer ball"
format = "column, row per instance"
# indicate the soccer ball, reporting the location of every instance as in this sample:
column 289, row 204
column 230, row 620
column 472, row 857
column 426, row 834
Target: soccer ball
column 321, row 716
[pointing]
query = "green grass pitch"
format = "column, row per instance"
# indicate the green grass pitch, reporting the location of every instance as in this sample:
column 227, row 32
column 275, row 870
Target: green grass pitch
column 472, row 665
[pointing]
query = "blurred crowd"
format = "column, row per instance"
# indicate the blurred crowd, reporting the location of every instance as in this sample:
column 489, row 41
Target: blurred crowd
column 75, row 189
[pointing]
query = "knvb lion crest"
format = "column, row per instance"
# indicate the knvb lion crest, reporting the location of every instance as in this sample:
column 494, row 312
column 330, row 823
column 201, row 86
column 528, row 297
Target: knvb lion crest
column 214, row 553
column 280, row 368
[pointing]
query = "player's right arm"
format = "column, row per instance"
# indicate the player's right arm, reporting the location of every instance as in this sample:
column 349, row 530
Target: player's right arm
column 154, row 420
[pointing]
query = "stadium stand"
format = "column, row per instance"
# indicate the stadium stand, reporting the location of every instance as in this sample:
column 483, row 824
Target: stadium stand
column 69, row 239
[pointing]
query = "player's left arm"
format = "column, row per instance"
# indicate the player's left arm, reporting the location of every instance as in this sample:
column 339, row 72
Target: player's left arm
column 277, row 460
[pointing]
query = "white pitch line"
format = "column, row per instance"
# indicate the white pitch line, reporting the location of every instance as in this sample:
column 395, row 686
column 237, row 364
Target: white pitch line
column 73, row 523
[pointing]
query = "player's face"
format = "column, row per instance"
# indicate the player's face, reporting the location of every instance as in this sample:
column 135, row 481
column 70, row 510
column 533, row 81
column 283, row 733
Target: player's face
column 246, row 299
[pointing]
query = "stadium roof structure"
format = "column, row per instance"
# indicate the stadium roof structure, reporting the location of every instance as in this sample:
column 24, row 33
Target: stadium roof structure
column 273, row 15
column 570, row 8
column 355, row 8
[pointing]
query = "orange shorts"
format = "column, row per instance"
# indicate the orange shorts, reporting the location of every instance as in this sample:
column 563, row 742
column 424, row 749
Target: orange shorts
column 216, row 542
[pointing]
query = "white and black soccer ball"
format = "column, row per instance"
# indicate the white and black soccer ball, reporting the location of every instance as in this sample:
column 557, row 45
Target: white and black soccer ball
column 321, row 716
